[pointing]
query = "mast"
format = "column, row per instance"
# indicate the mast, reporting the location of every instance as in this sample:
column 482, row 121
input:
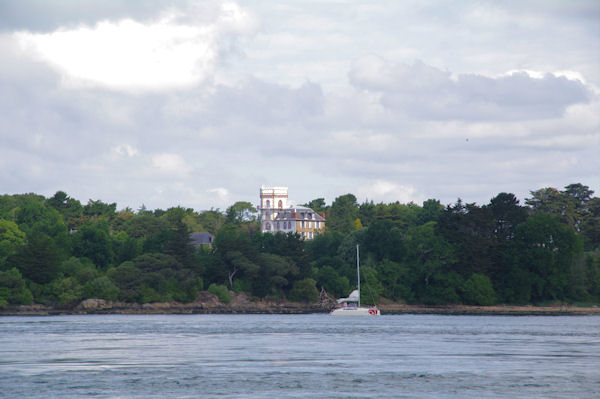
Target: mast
column 358, row 273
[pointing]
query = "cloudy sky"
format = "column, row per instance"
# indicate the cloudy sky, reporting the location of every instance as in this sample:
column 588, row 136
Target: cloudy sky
column 199, row 103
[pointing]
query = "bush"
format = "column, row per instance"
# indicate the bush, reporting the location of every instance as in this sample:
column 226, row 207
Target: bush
column 101, row 288
column 478, row 290
column 221, row 291
column 13, row 289
column 304, row 291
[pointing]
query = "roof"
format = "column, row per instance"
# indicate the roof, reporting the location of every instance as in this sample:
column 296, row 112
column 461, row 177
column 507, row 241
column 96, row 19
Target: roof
column 281, row 214
column 201, row 238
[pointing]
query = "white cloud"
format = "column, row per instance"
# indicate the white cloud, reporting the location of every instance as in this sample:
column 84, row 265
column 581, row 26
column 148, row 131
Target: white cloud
column 320, row 97
column 125, row 150
column 387, row 191
column 172, row 164
column 132, row 55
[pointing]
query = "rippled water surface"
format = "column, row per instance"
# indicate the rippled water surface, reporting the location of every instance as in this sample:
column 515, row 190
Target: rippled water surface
column 299, row 356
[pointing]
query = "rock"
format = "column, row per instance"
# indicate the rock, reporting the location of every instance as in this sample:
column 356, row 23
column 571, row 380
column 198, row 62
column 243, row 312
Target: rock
column 93, row 304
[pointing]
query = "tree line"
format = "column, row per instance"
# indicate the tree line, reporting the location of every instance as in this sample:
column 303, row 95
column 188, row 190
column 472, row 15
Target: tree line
column 57, row 251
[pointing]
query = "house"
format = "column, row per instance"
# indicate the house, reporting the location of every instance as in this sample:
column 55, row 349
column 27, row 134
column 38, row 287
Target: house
column 201, row 238
column 278, row 215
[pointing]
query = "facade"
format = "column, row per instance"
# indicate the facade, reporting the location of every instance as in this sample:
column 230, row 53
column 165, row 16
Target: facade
column 278, row 215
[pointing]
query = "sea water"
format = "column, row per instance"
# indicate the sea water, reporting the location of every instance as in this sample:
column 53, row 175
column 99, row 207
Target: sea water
column 299, row 356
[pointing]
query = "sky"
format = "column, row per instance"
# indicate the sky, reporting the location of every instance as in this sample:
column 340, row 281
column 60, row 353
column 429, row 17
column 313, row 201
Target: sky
column 199, row 103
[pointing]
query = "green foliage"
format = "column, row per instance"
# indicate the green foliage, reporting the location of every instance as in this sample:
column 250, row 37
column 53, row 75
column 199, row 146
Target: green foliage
column 38, row 260
column 220, row 291
column 539, row 260
column 11, row 238
column 335, row 285
column 478, row 290
column 443, row 288
column 83, row 270
column 318, row 205
column 93, row 241
column 127, row 278
column 55, row 251
column 304, row 290
column 101, row 288
column 68, row 207
column 371, row 287
column 342, row 214
column 13, row 289
column 241, row 212
column 124, row 247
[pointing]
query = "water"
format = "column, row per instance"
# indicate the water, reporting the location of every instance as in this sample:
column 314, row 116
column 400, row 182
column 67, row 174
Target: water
column 299, row 356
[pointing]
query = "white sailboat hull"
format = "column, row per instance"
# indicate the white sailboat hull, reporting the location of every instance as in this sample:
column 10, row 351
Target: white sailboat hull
column 355, row 312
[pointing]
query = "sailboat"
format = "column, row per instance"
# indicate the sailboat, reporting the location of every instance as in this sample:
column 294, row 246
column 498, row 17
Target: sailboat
column 351, row 305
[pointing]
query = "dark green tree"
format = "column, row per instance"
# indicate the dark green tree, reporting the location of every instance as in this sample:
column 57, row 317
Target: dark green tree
column 38, row 260
column 93, row 241
column 539, row 260
column 342, row 214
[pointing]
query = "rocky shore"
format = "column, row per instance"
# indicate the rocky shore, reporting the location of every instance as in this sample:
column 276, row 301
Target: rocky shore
column 241, row 304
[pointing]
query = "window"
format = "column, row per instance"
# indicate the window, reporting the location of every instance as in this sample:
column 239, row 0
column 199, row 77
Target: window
column 302, row 215
column 317, row 224
column 280, row 204
column 309, row 216
column 268, row 216
column 289, row 225
column 268, row 226
column 268, row 204
column 302, row 225
column 277, row 226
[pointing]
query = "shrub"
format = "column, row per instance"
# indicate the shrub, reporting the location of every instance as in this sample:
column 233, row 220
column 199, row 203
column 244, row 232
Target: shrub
column 221, row 291
column 304, row 291
column 101, row 288
column 478, row 290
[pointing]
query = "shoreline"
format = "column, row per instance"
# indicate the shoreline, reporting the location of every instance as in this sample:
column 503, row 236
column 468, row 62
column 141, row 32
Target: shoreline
column 98, row 306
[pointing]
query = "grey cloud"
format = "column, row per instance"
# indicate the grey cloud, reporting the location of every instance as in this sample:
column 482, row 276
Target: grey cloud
column 428, row 93
column 266, row 103
column 46, row 15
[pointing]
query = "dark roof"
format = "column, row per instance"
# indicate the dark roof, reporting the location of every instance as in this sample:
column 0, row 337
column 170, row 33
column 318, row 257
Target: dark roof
column 201, row 238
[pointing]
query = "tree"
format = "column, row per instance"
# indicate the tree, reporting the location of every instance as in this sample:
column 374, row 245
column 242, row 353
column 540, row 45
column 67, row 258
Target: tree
column 241, row 212
column 430, row 212
column 13, row 289
column 11, row 238
column 336, row 285
column 371, row 287
column 93, row 241
column 318, row 205
column 179, row 243
column 430, row 258
column 38, row 260
column 275, row 275
column 478, row 290
column 102, row 288
column 342, row 214
column 304, row 291
column 234, row 255
column 539, row 260
column 384, row 241
column 68, row 207
column 128, row 278
column 212, row 220
column 98, row 209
